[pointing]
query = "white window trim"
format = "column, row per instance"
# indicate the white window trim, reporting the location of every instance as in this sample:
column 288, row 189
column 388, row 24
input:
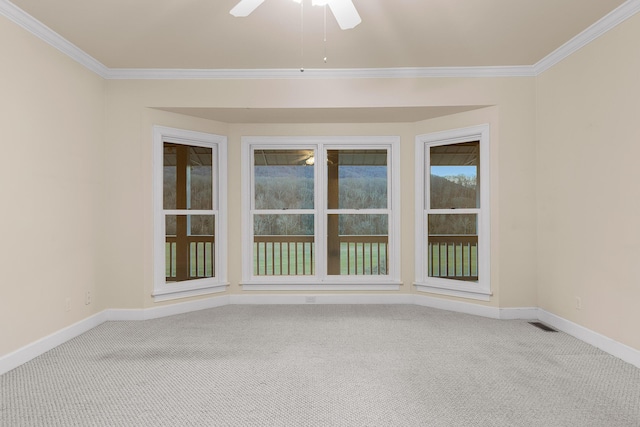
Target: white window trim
column 163, row 291
column 482, row 289
column 321, row 281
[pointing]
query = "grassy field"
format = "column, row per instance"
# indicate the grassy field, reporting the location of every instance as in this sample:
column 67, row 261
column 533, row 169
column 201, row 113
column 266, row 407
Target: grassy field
column 355, row 258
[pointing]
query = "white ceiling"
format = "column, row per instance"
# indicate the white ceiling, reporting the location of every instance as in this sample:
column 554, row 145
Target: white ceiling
column 201, row 36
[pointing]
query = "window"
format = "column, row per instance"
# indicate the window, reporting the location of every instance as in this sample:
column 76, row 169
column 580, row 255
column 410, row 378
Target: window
column 452, row 213
column 190, row 221
column 320, row 213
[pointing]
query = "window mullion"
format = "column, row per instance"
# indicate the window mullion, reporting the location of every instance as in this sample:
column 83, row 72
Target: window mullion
column 283, row 211
column 321, row 195
column 453, row 211
column 359, row 211
column 190, row 211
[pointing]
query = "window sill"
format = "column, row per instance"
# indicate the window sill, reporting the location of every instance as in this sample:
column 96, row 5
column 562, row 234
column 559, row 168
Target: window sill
column 160, row 295
column 325, row 286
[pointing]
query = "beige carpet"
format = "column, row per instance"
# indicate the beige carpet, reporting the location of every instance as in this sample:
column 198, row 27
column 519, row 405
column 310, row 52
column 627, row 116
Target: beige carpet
column 318, row 365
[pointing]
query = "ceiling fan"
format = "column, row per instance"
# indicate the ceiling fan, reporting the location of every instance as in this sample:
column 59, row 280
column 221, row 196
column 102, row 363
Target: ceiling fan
column 344, row 10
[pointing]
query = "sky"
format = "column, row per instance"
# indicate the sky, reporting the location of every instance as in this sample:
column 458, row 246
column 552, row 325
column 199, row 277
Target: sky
column 453, row 170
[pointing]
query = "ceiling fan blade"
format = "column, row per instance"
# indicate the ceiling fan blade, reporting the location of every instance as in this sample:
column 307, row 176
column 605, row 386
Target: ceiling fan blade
column 245, row 7
column 345, row 13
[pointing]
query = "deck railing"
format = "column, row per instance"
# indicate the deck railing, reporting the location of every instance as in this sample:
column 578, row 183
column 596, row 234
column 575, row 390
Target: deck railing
column 283, row 255
column 453, row 257
column 200, row 259
column 294, row 255
column 364, row 255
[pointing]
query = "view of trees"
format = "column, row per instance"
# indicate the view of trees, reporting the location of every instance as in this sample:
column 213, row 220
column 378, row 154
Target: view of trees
column 200, row 197
column 360, row 187
column 292, row 187
column 284, row 187
column 455, row 192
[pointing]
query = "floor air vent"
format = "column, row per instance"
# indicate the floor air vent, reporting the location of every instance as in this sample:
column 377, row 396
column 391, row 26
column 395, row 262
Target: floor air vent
column 543, row 326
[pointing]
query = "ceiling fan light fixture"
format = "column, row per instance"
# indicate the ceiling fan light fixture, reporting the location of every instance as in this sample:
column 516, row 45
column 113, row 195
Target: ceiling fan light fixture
column 343, row 10
column 345, row 13
column 245, row 7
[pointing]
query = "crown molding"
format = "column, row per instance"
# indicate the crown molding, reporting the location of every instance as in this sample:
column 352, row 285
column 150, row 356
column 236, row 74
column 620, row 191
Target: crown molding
column 37, row 28
column 317, row 73
column 625, row 11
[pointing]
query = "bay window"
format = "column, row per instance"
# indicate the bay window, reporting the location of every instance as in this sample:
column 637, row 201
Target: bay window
column 320, row 212
column 190, row 223
column 452, row 213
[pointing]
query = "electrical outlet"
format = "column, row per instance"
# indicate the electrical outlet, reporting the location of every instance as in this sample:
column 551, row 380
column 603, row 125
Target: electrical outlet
column 67, row 304
column 87, row 298
column 578, row 303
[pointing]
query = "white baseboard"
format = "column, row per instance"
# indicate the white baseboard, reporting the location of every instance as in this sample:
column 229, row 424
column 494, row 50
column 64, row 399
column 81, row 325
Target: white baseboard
column 519, row 313
column 457, row 306
column 322, row 299
column 23, row 355
column 115, row 314
column 606, row 344
column 35, row 349
column 31, row 351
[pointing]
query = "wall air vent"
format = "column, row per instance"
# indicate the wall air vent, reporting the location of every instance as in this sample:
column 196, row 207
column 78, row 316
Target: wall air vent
column 542, row 326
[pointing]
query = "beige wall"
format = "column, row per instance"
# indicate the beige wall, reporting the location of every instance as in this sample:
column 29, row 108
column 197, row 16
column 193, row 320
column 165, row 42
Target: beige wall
column 368, row 129
column 77, row 160
column 126, row 241
column 513, row 198
column 588, row 194
column 131, row 114
column 51, row 112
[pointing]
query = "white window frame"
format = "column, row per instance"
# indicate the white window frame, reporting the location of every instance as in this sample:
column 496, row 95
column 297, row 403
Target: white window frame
column 162, row 290
column 322, row 281
column 480, row 290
